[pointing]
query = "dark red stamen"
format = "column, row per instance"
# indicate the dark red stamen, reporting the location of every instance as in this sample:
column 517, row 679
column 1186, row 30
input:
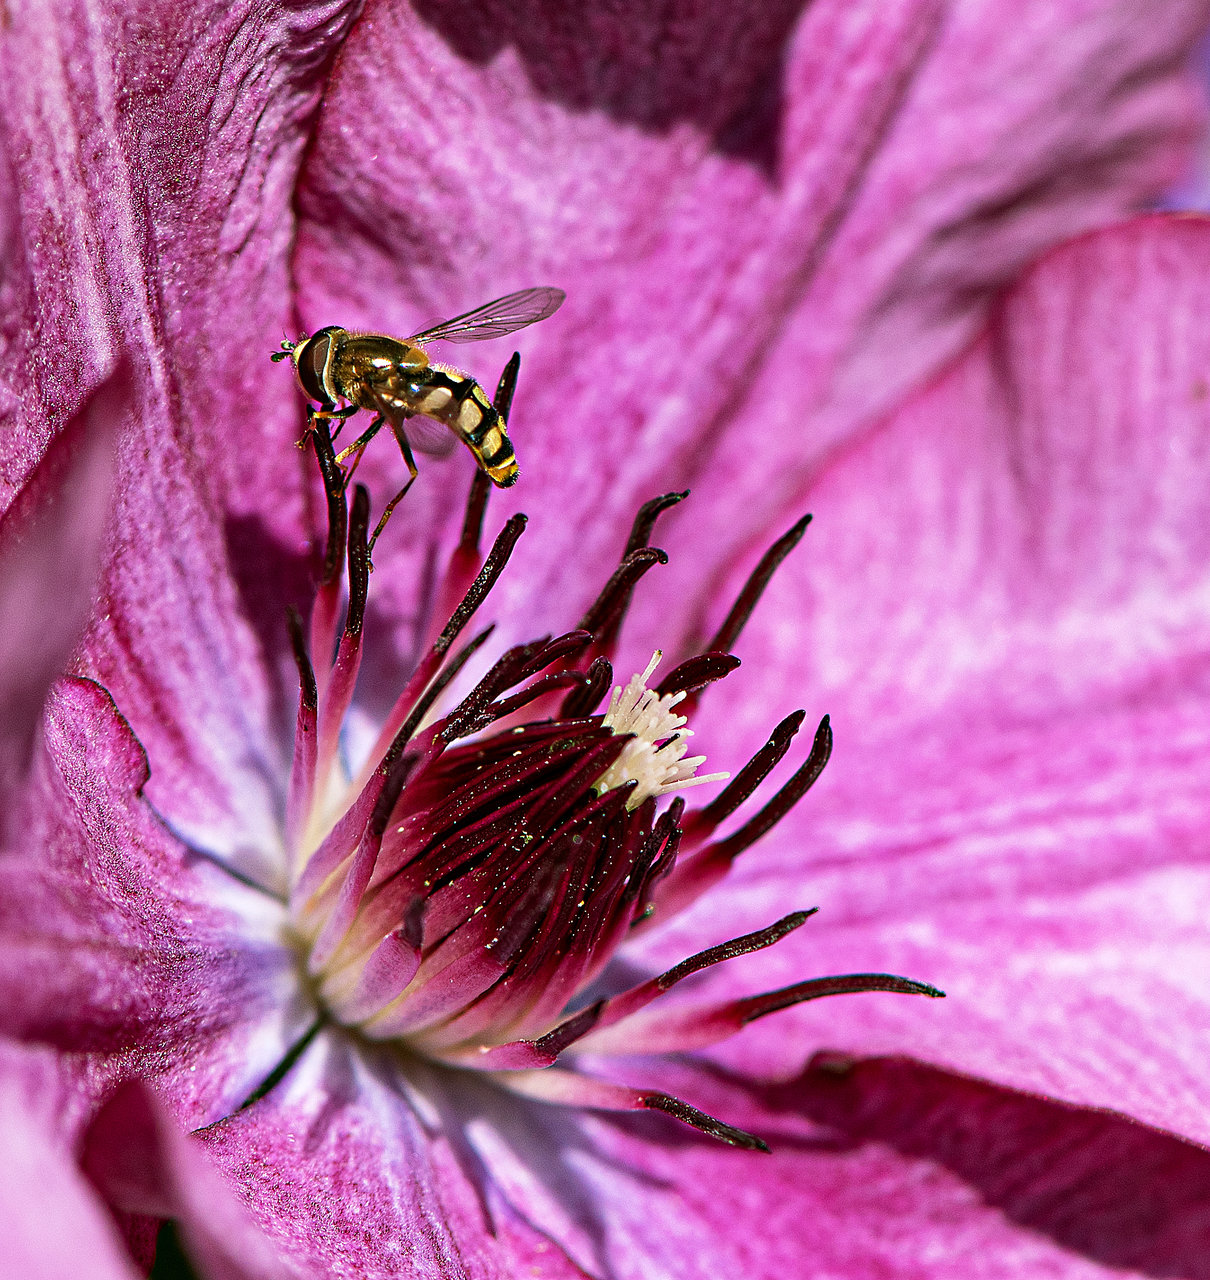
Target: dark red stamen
column 469, row 715
column 567, row 1033
column 605, row 614
column 696, row 672
column 307, row 691
column 657, row 859
column 531, row 693
column 609, row 1012
column 503, row 399
column 465, row 559
column 478, row 709
column 403, row 710
column 306, row 745
column 476, row 508
column 729, row 849
column 359, row 561
column 686, row 1114
column 560, row 648
column 644, row 522
column 477, row 883
column 444, row 677
column 493, row 567
column 741, row 946
column 597, row 681
column 745, row 782
column 741, row 611
column 848, row 984
column 334, row 491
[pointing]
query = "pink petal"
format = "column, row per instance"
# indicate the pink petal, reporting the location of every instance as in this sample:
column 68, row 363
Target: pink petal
column 151, row 166
column 138, row 1159
column 149, row 171
column 115, row 942
column 1111, row 1190
column 1192, row 189
column 352, row 1168
column 752, row 269
column 52, row 1219
column 1006, row 614
column 906, row 1173
column 50, row 544
column 886, row 1170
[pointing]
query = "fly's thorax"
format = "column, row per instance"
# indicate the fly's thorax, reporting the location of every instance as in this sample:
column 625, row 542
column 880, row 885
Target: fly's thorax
column 367, row 365
column 374, row 356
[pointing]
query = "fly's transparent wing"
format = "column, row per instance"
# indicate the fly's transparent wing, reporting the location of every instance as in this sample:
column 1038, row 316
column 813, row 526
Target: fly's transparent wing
column 425, row 435
column 494, row 319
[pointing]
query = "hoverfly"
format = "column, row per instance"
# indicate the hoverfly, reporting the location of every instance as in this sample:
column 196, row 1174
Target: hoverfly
column 395, row 380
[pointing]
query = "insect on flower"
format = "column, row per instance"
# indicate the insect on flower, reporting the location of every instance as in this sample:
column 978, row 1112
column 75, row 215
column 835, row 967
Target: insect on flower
column 395, row 380
column 458, row 894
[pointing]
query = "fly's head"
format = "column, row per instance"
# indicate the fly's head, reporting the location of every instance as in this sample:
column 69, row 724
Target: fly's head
column 313, row 358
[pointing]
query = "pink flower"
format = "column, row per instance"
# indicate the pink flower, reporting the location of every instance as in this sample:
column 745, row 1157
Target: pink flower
column 1002, row 604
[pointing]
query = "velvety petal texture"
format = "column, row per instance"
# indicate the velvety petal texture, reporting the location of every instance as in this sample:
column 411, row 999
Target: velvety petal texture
column 117, row 942
column 358, row 1166
column 1016, row 641
column 878, row 1169
column 776, row 224
column 152, row 163
column 754, row 269
column 52, row 533
column 52, row 1218
column 137, row 1158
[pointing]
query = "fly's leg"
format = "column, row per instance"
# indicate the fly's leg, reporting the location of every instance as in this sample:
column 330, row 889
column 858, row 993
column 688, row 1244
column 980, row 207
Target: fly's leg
column 357, row 449
column 406, row 449
column 358, row 446
column 339, row 415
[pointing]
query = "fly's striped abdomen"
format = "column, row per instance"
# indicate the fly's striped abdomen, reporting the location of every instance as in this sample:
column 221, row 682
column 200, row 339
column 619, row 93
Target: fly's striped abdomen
column 461, row 403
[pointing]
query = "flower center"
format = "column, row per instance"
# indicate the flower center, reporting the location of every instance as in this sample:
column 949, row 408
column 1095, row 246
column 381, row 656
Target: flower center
column 492, row 855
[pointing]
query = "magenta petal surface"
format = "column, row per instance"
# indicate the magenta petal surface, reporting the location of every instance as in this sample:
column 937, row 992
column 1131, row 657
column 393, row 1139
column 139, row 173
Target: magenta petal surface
column 138, row 1159
column 353, row 1168
column 148, row 173
column 752, row 270
column 890, row 1170
column 1015, row 635
column 52, row 1218
column 461, row 1181
column 116, row 941
column 50, row 547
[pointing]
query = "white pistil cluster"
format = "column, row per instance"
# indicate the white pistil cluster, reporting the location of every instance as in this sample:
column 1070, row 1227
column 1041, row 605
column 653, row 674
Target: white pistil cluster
column 655, row 757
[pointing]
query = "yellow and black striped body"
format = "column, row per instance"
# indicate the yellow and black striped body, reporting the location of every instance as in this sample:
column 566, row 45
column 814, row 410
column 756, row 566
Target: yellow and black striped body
column 396, row 379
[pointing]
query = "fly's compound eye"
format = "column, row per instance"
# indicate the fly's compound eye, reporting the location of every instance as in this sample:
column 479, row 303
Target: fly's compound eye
column 310, row 363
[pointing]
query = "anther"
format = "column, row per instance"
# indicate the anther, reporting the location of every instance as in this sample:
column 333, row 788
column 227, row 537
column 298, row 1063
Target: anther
column 745, row 781
column 493, row 567
column 334, row 491
column 359, row 561
column 582, row 702
column 503, row 399
column 308, row 693
column 696, row 672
